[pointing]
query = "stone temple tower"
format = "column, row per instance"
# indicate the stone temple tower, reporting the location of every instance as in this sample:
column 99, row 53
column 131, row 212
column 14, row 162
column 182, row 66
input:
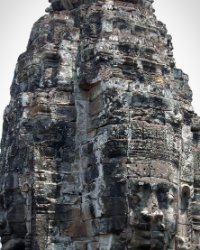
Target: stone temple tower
column 100, row 147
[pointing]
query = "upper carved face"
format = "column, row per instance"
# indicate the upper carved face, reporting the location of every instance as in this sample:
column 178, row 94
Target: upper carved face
column 153, row 214
column 13, row 228
column 12, row 217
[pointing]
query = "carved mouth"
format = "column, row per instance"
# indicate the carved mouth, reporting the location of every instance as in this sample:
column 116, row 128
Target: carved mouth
column 150, row 227
column 157, row 235
column 145, row 240
column 150, row 235
column 146, row 233
column 142, row 226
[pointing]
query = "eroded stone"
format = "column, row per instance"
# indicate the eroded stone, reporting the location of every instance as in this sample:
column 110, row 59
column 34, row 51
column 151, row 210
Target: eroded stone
column 100, row 146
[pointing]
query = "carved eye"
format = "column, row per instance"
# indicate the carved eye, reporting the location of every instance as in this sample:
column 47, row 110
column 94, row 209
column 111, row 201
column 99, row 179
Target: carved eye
column 162, row 195
column 165, row 197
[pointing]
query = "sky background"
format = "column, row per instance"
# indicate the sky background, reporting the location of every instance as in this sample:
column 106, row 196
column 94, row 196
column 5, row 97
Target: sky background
column 181, row 17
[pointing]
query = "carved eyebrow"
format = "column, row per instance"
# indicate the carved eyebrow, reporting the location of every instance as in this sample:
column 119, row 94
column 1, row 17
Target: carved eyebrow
column 168, row 186
column 157, row 185
column 161, row 185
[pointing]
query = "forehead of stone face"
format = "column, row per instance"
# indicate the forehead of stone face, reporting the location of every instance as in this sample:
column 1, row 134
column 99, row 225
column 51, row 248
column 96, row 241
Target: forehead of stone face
column 152, row 168
column 54, row 28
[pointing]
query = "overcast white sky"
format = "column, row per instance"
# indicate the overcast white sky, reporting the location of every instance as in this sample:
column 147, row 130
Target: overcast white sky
column 181, row 17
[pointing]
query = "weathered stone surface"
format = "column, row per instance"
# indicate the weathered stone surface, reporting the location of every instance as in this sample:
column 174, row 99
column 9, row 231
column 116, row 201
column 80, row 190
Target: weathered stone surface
column 100, row 147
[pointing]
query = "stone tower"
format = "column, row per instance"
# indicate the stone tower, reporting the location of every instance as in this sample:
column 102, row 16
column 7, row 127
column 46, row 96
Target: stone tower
column 100, row 146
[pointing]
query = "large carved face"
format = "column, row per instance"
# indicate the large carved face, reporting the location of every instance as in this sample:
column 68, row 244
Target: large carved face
column 153, row 213
column 12, row 217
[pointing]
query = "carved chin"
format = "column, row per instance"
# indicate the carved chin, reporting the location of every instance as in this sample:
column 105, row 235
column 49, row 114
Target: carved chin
column 13, row 244
column 148, row 239
column 154, row 244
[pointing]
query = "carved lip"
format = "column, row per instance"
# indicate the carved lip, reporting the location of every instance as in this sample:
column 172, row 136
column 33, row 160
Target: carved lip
column 148, row 227
column 149, row 243
column 146, row 232
column 150, row 235
column 142, row 226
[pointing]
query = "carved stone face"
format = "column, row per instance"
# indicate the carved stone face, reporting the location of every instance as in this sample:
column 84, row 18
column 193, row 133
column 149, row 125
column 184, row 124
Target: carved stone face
column 13, row 228
column 12, row 219
column 153, row 213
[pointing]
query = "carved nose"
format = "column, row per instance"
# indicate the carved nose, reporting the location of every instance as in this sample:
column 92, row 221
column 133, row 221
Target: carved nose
column 153, row 202
column 152, row 211
column 154, row 215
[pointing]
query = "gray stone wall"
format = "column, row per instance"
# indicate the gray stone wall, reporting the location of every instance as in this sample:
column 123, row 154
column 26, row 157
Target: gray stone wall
column 100, row 141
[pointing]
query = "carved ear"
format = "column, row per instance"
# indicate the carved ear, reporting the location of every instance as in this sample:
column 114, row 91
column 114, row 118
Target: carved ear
column 185, row 191
column 185, row 196
column 1, row 200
